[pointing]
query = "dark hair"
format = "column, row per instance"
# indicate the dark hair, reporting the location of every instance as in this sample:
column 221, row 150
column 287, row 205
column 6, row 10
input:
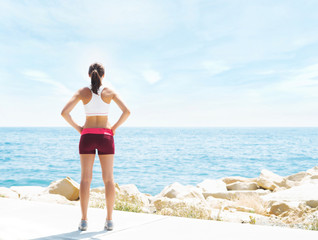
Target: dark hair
column 96, row 71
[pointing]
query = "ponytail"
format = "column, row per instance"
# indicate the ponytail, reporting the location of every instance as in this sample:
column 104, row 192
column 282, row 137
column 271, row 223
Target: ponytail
column 96, row 71
column 95, row 81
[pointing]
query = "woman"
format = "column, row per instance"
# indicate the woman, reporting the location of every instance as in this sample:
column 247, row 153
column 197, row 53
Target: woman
column 97, row 133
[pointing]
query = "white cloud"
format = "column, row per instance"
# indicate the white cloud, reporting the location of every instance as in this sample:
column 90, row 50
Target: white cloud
column 304, row 81
column 215, row 67
column 135, row 19
column 151, row 76
column 40, row 76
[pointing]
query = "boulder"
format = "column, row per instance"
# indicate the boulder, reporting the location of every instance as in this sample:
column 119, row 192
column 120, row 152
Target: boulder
column 240, row 208
column 271, row 181
column 25, row 191
column 312, row 203
column 51, row 198
column 129, row 193
column 102, row 189
column 313, row 171
column 189, row 207
column 175, row 203
column 66, row 187
column 212, row 186
column 8, row 193
column 233, row 179
column 304, row 192
column 218, row 202
column 179, row 191
column 277, row 208
column 301, row 178
column 229, row 195
column 298, row 177
column 98, row 190
column 227, row 205
column 234, row 216
column 242, row 186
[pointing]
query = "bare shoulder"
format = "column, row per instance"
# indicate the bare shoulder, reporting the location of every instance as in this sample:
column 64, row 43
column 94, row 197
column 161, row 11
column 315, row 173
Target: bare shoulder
column 84, row 92
column 108, row 92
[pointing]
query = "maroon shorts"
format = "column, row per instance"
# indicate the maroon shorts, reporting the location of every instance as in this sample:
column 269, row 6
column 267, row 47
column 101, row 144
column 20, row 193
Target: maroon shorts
column 97, row 138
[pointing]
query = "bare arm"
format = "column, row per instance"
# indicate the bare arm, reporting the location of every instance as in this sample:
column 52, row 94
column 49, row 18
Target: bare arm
column 68, row 108
column 124, row 115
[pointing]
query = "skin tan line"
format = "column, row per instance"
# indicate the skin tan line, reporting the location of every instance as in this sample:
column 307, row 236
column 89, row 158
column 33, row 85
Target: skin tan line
column 87, row 160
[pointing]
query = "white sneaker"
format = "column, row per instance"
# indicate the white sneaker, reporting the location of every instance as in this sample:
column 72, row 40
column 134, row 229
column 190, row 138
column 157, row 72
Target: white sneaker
column 109, row 225
column 83, row 225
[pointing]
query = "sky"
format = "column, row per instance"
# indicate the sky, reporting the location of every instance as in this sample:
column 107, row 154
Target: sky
column 185, row 63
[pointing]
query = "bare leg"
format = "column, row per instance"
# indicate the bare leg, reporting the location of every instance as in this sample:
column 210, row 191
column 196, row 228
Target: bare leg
column 87, row 162
column 106, row 162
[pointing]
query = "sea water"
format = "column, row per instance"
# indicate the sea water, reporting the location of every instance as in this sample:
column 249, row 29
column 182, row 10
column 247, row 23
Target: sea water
column 152, row 158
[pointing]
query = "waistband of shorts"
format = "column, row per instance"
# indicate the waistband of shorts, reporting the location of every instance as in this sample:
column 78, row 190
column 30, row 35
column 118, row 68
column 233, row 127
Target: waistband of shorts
column 106, row 131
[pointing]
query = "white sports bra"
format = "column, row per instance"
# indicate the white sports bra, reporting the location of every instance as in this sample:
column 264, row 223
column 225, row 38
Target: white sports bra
column 96, row 106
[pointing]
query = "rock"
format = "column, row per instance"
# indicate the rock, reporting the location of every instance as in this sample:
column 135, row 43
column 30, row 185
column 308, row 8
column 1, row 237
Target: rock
column 227, row 205
column 277, row 208
column 298, row 177
column 8, row 193
column 102, row 189
column 240, row 208
column 179, row 191
column 165, row 202
column 271, row 181
column 218, row 202
column 234, row 216
column 212, row 186
column 303, row 192
column 129, row 193
column 66, row 187
column 51, row 198
column 236, row 194
column 98, row 190
column 174, row 203
column 312, row 203
column 229, row 180
column 24, row 191
column 313, row 171
column 242, row 186
column 189, row 207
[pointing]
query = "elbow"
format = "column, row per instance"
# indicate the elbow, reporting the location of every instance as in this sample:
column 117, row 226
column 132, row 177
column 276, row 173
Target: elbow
column 63, row 113
column 127, row 111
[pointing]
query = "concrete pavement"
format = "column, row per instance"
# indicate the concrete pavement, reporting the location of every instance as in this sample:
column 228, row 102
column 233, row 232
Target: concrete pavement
column 21, row 219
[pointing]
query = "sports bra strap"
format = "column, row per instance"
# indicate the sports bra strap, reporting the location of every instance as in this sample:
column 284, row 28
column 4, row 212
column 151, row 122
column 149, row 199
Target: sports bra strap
column 101, row 88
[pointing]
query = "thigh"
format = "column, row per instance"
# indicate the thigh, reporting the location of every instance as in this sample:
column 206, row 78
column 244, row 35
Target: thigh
column 87, row 162
column 107, row 163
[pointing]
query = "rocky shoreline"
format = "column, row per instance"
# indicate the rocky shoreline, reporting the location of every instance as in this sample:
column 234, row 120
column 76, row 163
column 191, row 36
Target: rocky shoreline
column 270, row 199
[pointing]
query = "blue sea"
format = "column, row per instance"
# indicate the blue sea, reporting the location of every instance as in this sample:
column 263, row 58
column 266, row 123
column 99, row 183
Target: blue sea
column 152, row 158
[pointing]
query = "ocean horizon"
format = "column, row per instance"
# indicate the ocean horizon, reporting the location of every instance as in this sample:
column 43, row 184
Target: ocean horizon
column 154, row 157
